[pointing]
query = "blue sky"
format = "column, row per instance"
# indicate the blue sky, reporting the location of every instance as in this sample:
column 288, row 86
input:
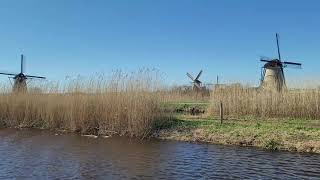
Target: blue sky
column 69, row 37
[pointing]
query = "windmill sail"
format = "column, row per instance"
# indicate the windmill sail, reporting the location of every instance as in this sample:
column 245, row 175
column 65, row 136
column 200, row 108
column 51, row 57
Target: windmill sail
column 8, row 74
column 190, row 76
column 292, row 65
column 199, row 75
column 22, row 64
column 278, row 46
column 39, row 77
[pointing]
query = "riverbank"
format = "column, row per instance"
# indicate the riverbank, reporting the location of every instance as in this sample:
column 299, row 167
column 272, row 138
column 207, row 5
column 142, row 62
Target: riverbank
column 270, row 134
column 296, row 135
column 129, row 116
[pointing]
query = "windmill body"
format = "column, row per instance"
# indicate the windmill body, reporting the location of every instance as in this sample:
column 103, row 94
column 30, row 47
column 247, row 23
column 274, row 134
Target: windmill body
column 272, row 76
column 20, row 83
column 20, row 79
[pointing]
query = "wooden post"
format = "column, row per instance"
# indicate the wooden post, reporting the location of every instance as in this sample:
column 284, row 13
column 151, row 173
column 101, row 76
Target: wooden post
column 221, row 112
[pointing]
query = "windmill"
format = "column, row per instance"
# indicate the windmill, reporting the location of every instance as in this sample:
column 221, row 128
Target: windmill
column 272, row 74
column 197, row 84
column 20, row 79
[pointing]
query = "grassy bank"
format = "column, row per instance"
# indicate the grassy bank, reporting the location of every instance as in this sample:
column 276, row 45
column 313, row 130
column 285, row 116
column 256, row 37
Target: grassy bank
column 271, row 134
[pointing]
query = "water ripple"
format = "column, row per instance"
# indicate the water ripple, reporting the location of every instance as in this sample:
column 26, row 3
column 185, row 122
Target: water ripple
column 34, row 154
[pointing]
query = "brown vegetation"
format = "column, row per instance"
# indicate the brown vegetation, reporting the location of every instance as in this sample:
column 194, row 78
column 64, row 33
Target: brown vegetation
column 239, row 101
column 184, row 94
column 124, row 105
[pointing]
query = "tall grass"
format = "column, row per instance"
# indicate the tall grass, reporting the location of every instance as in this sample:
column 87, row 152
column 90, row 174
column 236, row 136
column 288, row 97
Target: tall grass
column 124, row 104
column 247, row 101
column 179, row 95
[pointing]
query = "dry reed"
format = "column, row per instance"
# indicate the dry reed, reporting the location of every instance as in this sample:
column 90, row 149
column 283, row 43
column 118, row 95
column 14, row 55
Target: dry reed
column 124, row 104
column 179, row 95
column 242, row 101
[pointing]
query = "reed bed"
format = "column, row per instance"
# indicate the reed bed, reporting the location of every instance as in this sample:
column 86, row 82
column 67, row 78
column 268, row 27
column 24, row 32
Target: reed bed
column 124, row 104
column 240, row 101
column 176, row 95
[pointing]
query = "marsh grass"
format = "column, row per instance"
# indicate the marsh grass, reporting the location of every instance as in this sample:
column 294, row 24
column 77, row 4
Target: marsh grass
column 123, row 104
column 242, row 101
column 182, row 95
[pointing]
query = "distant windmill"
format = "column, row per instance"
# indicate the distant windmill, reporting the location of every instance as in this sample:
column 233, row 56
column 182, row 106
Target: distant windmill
column 272, row 75
column 197, row 84
column 20, row 79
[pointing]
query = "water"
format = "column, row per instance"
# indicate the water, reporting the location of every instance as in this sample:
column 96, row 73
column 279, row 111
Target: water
column 35, row 154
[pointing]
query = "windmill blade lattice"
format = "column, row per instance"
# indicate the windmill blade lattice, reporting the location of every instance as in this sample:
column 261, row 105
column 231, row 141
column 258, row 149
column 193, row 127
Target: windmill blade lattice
column 199, row 75
column 190, row 76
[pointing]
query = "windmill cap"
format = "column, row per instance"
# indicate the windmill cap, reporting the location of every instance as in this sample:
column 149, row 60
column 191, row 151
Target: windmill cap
column 273, row 64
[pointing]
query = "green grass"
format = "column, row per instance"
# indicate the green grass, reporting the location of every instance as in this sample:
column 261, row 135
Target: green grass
column 184, row 106
column 272, row 134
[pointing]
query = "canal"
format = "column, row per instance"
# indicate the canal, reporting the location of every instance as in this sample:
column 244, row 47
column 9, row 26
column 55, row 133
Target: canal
column 37, row 154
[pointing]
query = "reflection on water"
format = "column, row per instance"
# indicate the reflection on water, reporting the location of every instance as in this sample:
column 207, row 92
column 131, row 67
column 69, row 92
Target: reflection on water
column 41, row 154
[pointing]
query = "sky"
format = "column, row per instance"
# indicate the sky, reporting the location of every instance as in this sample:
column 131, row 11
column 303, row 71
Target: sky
column 80, row 37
